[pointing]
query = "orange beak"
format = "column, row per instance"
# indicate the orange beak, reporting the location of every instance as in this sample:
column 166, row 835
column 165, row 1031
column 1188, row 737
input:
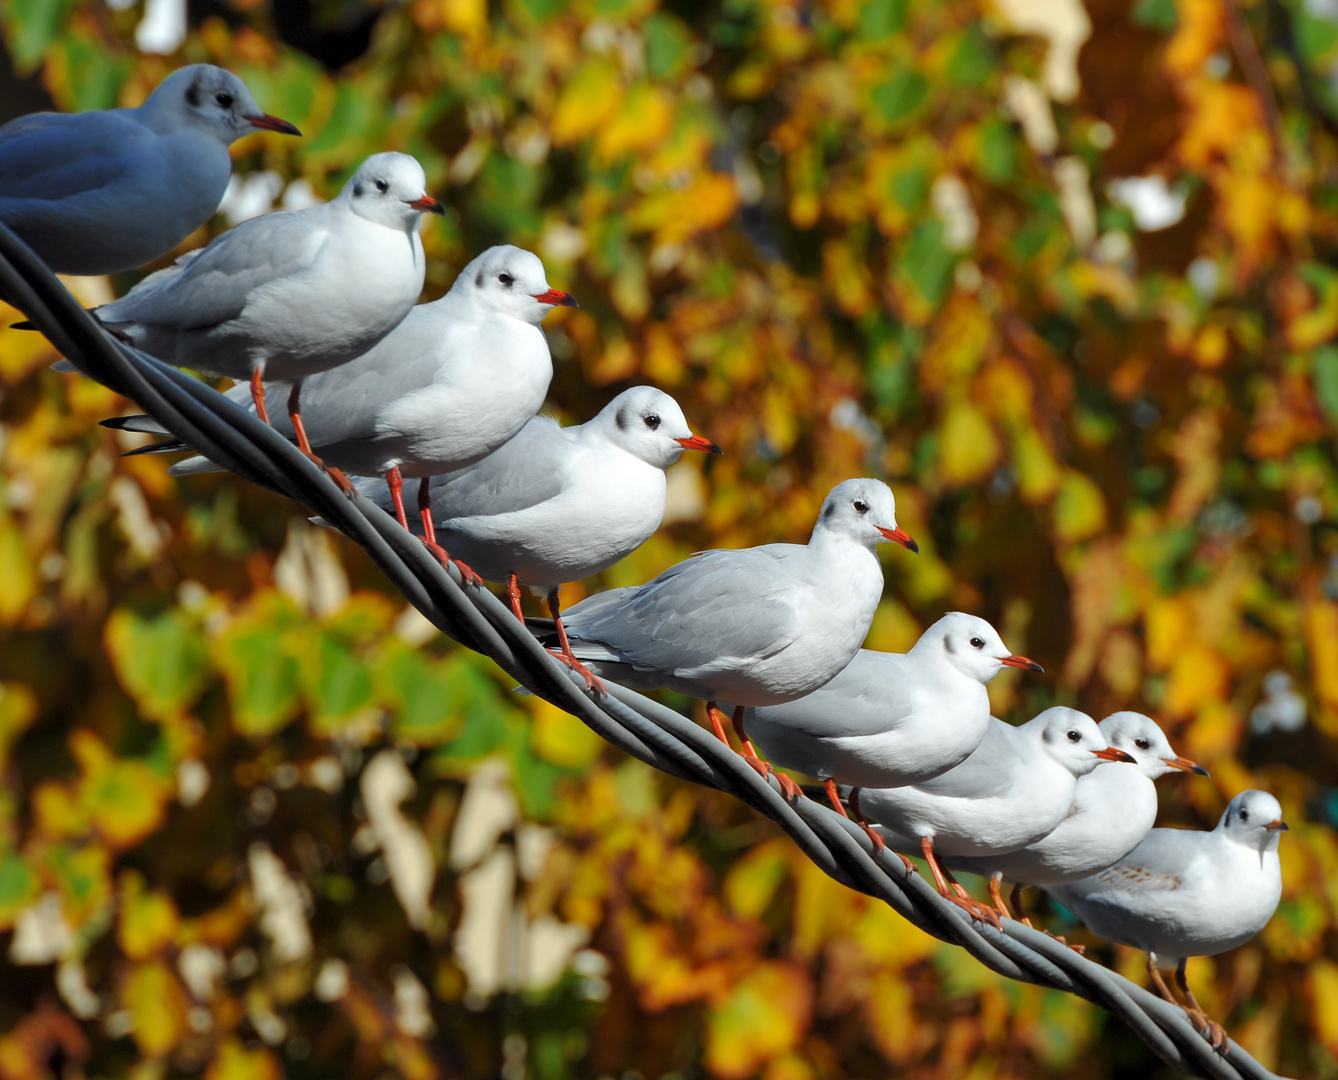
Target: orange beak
column 557, row 298
column 427, row 204
column 1022, row 662
column 900, row 536
column 1111, row 754
column 1186, row 765
column 696, row 442
column 272, row 123
column 1277, row 826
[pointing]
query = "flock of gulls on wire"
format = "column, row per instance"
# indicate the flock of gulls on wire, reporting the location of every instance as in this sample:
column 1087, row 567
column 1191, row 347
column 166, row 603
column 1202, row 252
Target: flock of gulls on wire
column 313, row 313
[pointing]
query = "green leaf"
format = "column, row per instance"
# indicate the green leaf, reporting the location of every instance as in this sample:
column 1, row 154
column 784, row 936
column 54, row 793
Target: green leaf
column 928, row 263
column 667, row 43
column 430, row 701
column 30, row 26
column 997, row 155
column 162, row 663
column 94, row 75
column 973, row 61
column 1326, row 380
column 19, row 885
column 1156, row 15
column 261, row 675
column 336, row 685
column 881, row 19
column 899, row 97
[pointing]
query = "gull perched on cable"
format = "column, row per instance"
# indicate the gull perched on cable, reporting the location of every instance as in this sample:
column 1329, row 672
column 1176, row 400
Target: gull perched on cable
column 449, row 385
column 754, row 626
column 1013, row 789
column 558, row 504
column 1184, row 892
column 293, row 293
column 892, row 719
column 1112, row 811
column 103, row 191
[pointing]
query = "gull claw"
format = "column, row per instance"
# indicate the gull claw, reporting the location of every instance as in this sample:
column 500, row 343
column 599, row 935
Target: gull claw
column 790, row 791
column 591, row 683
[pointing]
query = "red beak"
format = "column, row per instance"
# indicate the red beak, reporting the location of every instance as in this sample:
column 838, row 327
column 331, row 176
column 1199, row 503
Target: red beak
column 427, row 204
column 1277, row 826
column 1186, row 765
column 1111, row 754
column 558, row 298
column 1022, row 662
column 696, row 442
column 272, row 123
column 900, row 536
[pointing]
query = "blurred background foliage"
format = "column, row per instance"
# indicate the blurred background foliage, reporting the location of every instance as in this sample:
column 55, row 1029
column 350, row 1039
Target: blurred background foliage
column 1063, row 275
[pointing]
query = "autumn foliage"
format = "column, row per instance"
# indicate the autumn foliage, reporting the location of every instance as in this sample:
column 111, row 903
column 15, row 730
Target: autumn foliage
column 259, row 819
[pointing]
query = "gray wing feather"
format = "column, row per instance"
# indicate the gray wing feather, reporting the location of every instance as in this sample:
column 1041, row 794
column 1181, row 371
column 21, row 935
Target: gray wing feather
column 48, row 157
column 523, row 473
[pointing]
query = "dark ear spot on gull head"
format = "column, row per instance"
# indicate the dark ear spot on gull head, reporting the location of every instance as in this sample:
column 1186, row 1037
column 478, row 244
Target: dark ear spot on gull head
column 193, row 92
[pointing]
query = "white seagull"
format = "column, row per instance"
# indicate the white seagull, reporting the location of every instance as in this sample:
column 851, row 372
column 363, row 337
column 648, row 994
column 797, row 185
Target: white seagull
column 449, row 385
column 292, row 293
column 1112, row 811
column 753, row 626
column 1013, row 789
column 558, row 504
column 1184, row 892
column 892, row 719
column 103, row 191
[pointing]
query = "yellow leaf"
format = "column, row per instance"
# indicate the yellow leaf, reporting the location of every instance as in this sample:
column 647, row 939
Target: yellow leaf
column 586, row 103
column 1321, row 630
column 1038, row 473
column 674, row 216
column 889, row 1017
column 1199, row 676
column 234, row 1062
column 18, row 583
column 765, row 1016
column 1169, row 623
column 1080, row 508
column 157, row 1007
column 753, row 880
column 968, row 447
column 18, row 709
column 467, row 18
column 646, row 115
column 125, row 801
column 149, row 920
column 560, row 738
column 1323, row 979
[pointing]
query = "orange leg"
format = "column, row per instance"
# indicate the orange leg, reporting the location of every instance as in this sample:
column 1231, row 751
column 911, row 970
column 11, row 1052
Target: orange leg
column 1214, row 1032
column 717, row 722
column 513, row 594
column 564, row 653
column 977, row 910
column 395, row 482
column 835, row 799
column 788, row 787
column 304, row 444
column 430, row 534
column 258, row 394
column 996, row 895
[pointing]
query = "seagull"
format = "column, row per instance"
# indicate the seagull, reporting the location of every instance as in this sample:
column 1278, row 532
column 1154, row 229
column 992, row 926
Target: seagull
column 1185, row 892
column 1013, row 789
column 445, row 388
column 292, row 293
column 754, row 626
column 104, row 191
column 558, row 504
column 1112, row 811
column 892, row 719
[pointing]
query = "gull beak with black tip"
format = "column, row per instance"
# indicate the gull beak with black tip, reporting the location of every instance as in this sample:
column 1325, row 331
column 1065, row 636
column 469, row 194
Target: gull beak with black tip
column 1277, row 826
column 1185, row 765
column 557, row 298
column 427, row 204
column 1023, row 663
column 1111, row 754
column 696, row 442
column 272, row 123
column 900, row 536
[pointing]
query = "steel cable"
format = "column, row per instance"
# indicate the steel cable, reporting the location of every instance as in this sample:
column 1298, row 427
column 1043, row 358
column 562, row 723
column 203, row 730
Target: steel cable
column 645, row 729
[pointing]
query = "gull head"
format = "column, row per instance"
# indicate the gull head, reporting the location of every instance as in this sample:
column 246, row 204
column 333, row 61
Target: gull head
column 1073, row 739
column 648, row 424
column 1142, row 739
column 210, row 100
column 972, row 646
column 1254, row 819
column 390, row 189
column 508, row 280
column 865, row 511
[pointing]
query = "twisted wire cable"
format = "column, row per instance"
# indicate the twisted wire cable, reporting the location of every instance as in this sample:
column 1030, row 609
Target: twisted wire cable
column 645, row 729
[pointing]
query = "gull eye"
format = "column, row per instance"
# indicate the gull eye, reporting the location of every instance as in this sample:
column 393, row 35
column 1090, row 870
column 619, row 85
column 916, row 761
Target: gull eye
column 224, row 99
column 506, row 279
column 861, row 507
column 652, row 421
column 1074, row 736
column 1142, row 744
column 1244, row 814
column 382, row 186
column 977, row 643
